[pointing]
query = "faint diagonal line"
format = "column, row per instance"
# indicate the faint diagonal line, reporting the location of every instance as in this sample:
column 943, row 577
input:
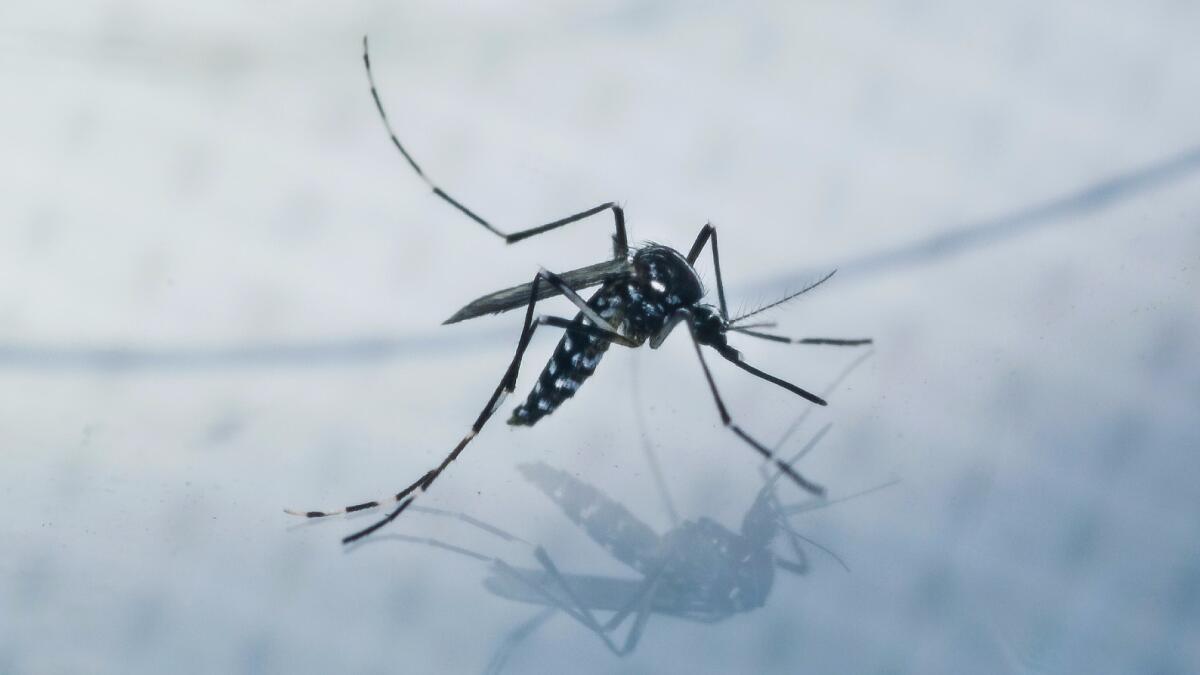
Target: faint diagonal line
column 976, row 235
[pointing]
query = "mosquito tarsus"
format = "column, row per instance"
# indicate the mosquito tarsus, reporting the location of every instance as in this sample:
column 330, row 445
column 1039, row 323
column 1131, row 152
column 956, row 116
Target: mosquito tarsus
column 644, row 294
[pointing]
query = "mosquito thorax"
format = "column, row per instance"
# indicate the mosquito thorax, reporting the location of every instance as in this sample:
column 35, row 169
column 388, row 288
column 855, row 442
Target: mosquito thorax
column 664, row 275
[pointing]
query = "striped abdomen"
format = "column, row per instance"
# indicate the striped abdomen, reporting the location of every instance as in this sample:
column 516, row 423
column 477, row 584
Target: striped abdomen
column 573, row 362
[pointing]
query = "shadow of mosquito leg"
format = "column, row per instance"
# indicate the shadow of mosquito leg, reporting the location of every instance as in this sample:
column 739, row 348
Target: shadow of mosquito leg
column 580, row 611
column 639, row 605
column 620, row 239
column 517, row 636
column 656, row 471
column 574, row 608
column 640, row 619
column 707, row 232
column 472, row 521
column 432, row 543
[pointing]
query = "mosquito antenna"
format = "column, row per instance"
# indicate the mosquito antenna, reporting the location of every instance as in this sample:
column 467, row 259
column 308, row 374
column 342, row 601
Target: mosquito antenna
column 786, row 298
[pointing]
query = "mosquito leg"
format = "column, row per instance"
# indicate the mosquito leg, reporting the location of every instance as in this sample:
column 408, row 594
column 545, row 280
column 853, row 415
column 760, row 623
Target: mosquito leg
column 507, row 385
column 735, row 357
column 728, row 421
column 620, row 239
column 837, row 342
column 518, row 635
column 707, row 232
column 405, row 497
column 562, row 287
column 612, row 336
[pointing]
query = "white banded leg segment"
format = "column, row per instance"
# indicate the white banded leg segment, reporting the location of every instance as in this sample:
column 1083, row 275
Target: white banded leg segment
column 620, row 239
column 836, row 342
column 374, row 503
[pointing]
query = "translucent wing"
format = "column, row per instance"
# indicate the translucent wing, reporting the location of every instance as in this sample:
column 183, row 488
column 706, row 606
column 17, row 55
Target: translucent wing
column 518, row 296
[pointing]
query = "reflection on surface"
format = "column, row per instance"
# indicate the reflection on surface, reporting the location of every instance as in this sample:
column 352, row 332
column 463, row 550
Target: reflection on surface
column 699, row 570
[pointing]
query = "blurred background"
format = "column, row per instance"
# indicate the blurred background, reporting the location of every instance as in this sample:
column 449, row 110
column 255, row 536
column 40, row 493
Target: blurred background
column 221, row 292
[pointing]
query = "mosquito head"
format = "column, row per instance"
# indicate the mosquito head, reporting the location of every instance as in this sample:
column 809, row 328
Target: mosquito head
column 709, row 326
column 664, row 274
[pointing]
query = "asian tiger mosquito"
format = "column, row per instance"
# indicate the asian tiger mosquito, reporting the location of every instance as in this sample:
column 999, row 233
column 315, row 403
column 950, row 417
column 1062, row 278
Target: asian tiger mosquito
column 647, row 291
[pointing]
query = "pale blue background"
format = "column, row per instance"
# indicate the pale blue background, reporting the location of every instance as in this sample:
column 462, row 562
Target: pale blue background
column 220, row 294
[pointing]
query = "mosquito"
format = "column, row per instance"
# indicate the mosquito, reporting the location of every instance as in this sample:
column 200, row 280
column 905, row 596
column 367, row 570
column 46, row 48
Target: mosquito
column 644, row 294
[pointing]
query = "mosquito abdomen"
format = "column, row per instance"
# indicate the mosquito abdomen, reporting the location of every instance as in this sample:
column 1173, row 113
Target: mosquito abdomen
column 573, row 362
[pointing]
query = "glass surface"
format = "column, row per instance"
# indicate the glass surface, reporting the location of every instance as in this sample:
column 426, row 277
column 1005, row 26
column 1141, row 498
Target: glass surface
column 221, row 292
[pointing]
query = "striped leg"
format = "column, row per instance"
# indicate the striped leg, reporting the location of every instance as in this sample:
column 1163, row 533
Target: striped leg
column 507, row 385
column 837, row 342
column 732, row 355
column 620, row 239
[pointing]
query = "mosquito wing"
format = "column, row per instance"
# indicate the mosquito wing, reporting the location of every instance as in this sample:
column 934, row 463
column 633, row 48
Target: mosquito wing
column 518, row 296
